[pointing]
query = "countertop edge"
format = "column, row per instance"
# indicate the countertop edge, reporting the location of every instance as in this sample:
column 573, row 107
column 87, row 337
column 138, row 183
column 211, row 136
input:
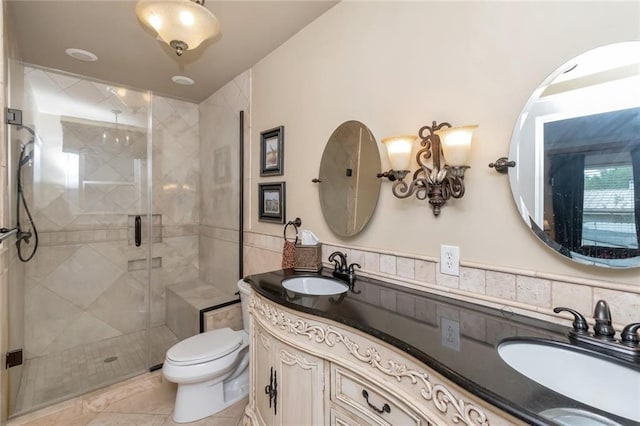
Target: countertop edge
column 450, row 374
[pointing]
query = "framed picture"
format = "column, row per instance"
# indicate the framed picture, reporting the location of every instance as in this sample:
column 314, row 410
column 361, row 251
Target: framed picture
column 271, row 202
column 272, row 152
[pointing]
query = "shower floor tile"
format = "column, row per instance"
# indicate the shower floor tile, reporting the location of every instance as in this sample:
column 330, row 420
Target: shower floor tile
column 59, row 376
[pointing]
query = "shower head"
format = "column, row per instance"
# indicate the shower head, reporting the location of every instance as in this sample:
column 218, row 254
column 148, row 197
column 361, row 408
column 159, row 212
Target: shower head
column 24, row 146
column 25, row 158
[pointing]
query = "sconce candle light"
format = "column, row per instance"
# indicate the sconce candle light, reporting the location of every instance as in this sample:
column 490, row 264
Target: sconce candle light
column 399, row 151
column 449, row 149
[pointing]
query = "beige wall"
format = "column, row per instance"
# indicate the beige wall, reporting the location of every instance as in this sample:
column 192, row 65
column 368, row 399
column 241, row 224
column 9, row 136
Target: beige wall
column 399, row 65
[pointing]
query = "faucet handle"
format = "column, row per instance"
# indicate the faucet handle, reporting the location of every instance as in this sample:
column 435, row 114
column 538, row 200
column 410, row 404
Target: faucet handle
column 629, row 335
column 579, row 322
column 602, row 315
column 351, row 270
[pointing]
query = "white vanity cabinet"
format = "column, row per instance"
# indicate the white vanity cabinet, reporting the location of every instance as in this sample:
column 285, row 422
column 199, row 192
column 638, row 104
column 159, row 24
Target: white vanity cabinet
column 288, row 383
column 331, row 374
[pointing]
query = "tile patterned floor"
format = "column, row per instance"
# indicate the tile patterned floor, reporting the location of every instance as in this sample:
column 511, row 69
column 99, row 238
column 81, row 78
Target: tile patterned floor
column 144, row 400
column 58, row 376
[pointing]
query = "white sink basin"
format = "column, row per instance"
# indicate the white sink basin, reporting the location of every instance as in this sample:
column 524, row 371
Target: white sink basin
column 576, row 417
column 315, row 286
column 578, row 374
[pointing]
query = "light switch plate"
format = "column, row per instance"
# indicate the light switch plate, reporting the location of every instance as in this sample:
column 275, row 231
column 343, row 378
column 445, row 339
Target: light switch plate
column 450, row 260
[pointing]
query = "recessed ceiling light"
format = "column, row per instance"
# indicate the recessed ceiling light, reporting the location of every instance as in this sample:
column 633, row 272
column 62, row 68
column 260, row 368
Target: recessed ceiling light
column 81, row 55
column 181, row 79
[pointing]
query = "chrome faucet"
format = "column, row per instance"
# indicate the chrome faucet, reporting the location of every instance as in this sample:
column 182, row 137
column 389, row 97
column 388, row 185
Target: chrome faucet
column 342, row 271
column 603, row 336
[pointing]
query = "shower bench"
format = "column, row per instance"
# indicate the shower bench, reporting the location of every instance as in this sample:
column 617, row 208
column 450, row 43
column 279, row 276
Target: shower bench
column 196, row 306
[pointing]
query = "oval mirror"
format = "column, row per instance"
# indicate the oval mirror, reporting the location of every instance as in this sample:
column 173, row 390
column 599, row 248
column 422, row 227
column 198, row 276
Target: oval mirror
column 349, row 187
column 577, row 150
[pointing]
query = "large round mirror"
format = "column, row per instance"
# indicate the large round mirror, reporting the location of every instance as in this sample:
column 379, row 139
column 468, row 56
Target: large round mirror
column 577, row 150
column 349, row 187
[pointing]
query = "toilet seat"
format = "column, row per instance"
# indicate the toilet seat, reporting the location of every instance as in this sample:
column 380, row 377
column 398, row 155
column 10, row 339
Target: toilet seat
column 205, row 347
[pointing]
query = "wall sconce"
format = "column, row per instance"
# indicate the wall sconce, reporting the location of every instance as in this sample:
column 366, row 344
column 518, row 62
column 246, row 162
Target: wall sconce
column 449, row 149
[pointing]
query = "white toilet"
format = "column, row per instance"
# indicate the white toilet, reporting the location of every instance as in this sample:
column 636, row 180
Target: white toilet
column 211, row 369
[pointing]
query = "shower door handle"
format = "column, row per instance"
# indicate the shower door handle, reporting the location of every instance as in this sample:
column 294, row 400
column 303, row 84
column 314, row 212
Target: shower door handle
column 138, row 231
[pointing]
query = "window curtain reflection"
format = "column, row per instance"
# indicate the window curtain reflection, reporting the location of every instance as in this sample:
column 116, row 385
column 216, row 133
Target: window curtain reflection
column 566, row 176
column 635, row 161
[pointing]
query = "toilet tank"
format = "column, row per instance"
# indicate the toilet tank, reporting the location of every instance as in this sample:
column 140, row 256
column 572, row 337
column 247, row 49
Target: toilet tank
column 245, row 291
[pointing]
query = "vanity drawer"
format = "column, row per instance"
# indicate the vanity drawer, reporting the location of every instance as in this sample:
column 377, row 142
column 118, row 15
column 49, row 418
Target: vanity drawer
column 351, row 392
column 340, row 417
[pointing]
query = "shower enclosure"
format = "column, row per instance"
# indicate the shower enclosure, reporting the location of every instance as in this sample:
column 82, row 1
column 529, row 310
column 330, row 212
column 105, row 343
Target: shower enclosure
column 85, row 310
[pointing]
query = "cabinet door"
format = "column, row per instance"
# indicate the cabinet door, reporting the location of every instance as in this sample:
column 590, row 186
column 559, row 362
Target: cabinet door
column 262, row 365
column 300, row 387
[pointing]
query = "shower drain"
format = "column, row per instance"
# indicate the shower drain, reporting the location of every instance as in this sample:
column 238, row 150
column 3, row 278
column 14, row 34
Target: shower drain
column 110, row 359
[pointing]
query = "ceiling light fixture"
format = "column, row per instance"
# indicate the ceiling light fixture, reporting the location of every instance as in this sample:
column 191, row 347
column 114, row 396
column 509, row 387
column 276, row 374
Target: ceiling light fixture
column 182, row 80
column 81, row 55
column 182, row 24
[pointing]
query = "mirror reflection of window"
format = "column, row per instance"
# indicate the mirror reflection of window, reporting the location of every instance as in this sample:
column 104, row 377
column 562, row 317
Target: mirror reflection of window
column 576, row 144
column 609, row 208
column 595, row 204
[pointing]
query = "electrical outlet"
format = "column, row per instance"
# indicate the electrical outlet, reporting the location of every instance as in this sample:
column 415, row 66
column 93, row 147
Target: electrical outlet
column 450, row 333
column 450, row 260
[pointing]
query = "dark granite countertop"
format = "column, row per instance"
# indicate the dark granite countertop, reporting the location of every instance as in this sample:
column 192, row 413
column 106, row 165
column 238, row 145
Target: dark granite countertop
column 412, row 321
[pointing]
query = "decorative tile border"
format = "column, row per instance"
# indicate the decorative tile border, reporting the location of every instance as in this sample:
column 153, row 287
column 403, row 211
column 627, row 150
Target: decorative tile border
column 98, row 235
column 219, row 233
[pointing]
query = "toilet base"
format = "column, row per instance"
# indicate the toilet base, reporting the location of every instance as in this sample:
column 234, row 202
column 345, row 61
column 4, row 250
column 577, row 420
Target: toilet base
column 199, row 400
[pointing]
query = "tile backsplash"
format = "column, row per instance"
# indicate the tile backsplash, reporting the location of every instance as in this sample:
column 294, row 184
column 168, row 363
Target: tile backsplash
column 525, row 292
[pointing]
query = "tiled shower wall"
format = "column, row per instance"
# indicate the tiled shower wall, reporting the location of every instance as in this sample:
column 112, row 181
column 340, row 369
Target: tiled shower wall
column 176, row 196
column 220, row 172
column 526, row 292
column 12, row 269
column 88, row 280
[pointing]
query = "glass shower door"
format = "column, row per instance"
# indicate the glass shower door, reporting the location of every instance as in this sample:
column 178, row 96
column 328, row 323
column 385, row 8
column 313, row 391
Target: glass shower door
column 86, row 290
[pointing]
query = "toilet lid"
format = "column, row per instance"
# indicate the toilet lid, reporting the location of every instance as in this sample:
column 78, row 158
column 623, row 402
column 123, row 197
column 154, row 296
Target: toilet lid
column 205, row 347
